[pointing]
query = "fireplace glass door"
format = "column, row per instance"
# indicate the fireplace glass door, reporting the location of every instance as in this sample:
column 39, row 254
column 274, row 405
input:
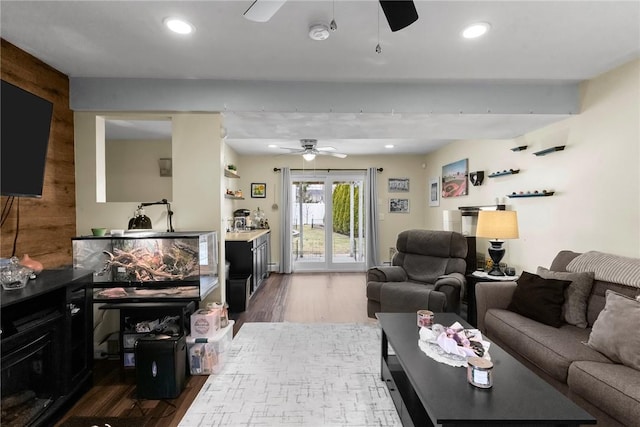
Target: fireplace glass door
column 28, row 378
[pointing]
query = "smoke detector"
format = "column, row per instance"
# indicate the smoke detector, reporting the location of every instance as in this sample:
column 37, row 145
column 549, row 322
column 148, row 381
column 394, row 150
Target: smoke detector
column 319, row 32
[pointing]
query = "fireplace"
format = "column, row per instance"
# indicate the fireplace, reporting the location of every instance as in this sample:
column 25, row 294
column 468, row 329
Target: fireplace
column 46, row 347
column 30, row 372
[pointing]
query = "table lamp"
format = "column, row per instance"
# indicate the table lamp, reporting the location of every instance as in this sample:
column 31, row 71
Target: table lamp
column 497, row 225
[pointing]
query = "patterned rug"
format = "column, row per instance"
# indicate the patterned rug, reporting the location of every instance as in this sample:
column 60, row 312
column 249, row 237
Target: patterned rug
column 294, row 374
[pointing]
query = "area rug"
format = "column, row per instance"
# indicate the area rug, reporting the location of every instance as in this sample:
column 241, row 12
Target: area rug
column 295, row 374
column 104, row 422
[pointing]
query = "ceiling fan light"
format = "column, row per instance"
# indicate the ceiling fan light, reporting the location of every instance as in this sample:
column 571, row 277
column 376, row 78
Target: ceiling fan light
column 308, row 156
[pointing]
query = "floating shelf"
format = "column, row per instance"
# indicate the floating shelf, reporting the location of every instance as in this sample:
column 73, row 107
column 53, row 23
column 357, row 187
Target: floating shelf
column 515, row 196
column 509, row 172
column 520, row 148
column 229, row 196
column 549, row 150
column 230, row 174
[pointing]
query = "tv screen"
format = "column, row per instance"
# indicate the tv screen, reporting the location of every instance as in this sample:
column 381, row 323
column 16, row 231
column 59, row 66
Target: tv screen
column 25, row 121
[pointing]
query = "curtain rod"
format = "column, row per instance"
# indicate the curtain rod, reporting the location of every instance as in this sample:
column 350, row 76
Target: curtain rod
column 325, row 169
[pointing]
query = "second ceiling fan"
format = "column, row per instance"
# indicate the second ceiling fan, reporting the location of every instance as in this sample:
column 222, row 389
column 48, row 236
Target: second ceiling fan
column 399, row 13
column 309, row 149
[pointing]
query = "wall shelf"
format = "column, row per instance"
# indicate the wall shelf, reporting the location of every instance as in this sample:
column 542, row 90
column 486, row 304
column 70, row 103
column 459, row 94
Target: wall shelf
column 229, row 196
column 230, row 174
column 520, row 148
column 549, row 150
column 540, row 194
column 509, row 172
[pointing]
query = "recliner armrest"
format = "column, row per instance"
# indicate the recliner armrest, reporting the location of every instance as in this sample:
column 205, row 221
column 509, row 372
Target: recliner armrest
column 456, row 280
column 492, row 295
column 452, row 285
column 386, row 273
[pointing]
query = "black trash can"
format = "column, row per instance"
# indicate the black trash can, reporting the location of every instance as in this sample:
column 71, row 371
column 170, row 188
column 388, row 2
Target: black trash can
column 238, row 292
column 160, row 366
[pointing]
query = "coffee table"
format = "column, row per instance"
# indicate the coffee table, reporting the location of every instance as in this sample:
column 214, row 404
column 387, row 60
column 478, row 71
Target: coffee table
column 429, row 393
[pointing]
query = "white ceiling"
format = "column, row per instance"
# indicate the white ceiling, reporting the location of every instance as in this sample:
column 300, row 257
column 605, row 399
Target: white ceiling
column 530, row 41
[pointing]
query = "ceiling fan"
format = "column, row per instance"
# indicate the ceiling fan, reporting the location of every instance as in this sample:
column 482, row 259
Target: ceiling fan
column 310, row 149
column 399, row 13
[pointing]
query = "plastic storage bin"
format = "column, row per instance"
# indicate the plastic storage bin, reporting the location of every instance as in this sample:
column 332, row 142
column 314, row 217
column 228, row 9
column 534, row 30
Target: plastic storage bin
column 208, row 355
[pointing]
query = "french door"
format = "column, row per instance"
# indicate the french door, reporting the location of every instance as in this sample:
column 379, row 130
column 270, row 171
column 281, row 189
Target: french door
column 327, row 220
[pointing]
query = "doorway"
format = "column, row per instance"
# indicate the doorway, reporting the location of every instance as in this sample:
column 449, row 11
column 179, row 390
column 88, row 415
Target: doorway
column 327, row 220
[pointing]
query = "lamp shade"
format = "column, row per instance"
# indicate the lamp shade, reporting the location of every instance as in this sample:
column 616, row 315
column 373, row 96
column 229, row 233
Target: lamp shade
column 497, row 224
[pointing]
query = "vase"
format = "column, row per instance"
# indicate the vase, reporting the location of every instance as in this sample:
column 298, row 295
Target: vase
column 31, row 263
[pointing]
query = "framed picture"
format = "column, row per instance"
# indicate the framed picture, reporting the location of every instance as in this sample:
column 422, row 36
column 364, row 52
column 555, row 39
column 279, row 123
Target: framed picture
column 434, row 191
column 398, row 185
column 258, row 190
column 454, row 178
column 399, row 205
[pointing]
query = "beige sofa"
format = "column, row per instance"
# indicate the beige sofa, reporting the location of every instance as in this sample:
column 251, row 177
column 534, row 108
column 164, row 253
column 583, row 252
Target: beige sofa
column 609, row 391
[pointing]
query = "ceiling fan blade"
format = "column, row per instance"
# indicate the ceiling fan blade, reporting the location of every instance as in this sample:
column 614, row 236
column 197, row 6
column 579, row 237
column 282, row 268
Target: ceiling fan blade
column 326, row 153
column 399, row 13
column 263, row 10
column 327, row 148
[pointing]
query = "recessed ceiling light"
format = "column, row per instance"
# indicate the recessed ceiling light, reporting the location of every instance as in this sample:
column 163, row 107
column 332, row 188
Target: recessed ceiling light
column 272, row 146
column 179, row 26
column 475, row 30
column 389, row 146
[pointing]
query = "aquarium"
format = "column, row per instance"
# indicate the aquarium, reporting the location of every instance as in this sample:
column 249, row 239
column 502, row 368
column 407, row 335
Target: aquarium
column 142, row 265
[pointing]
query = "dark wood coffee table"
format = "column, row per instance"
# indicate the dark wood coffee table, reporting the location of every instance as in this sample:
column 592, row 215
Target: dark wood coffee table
column 428, row 393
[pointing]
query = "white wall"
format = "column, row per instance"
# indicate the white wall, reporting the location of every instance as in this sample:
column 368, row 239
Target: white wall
column 260, row 169
column 133, row 172
column 596, row 178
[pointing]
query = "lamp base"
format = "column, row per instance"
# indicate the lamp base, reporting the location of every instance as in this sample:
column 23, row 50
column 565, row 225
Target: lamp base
column 496, row 252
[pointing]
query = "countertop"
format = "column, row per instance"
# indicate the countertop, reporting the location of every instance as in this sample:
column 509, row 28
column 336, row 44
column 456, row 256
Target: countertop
column 246, row 236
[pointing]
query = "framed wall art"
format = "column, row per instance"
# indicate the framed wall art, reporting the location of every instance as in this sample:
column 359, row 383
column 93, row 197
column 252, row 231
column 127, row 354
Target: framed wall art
column 434, row 191
column 398, row 185
column 258, row 190
column 454, row 179
column 399, row 205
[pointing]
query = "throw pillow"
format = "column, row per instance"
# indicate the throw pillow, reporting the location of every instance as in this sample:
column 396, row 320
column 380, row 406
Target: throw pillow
column 539, row 299
column 615, row 331
column 576, row 296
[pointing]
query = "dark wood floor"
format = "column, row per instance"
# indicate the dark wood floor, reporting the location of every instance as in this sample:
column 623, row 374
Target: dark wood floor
column 114, row 391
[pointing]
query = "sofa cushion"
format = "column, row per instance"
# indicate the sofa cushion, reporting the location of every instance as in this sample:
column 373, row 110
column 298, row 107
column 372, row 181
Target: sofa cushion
column 615, row 332
column 607, row 385
column 539, row 299
column 574, row 309
column 608, row 267
column 551, row 349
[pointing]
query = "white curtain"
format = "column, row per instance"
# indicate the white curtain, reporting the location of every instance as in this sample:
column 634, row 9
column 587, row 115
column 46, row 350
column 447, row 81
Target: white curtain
column 371, row 200
column 285, row 221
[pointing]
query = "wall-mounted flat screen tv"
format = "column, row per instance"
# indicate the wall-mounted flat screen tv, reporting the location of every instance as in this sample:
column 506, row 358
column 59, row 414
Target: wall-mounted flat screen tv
column 25, row 122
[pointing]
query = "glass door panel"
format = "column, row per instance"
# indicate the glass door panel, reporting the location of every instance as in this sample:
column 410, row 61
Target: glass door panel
column 327, row 222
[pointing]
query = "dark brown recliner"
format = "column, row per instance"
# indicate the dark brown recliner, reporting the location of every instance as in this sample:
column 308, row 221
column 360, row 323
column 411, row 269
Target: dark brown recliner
column 427, row 272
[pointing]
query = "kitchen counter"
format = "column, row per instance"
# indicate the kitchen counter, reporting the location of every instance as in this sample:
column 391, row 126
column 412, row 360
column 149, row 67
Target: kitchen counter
column 246, row 236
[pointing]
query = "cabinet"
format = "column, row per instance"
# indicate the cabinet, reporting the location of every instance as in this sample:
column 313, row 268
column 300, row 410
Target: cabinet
column 47, row 347
column 250, row 257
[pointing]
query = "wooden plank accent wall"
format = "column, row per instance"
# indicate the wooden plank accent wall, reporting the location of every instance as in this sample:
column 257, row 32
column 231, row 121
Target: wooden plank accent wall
column 47, row 224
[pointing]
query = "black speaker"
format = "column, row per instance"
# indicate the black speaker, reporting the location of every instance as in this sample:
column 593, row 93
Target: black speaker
column 160, row 366
column 399, row 13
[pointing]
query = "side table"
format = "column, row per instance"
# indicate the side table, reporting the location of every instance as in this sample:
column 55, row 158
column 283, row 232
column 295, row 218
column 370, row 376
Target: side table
column 470, row 290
